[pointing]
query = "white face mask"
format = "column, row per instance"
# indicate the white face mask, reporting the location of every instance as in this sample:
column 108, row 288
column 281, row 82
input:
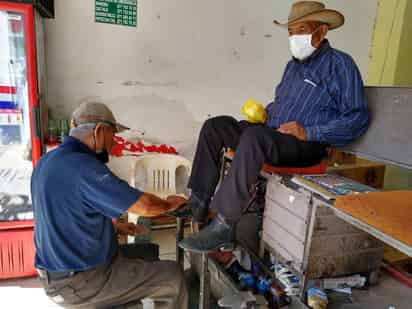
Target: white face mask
column 301, row 46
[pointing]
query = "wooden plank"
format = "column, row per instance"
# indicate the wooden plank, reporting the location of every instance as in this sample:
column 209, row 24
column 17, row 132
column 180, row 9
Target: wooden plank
column 284, row 238
column 389, row 135
column 331, row 226
column 344, row 244
column 363, row 171
column 336, row 156
column 358, row 162
column 321, row 209
column 286, row 219
column 295, row 202
column 281, row 251
column 327, row 266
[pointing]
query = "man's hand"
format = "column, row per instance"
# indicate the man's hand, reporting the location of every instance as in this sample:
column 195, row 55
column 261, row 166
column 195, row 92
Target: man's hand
column 149, row 205
column 293, row 128
column 130, row 229
column 176, row 201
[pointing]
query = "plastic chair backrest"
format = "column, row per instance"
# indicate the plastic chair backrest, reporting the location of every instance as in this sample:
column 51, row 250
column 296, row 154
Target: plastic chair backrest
column 161, row 174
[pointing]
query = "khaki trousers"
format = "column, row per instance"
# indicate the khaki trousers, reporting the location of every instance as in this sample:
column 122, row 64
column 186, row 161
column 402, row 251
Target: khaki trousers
column 122, row 284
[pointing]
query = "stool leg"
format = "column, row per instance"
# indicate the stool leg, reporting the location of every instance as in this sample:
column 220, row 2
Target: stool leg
column 204, row 298
column 179, row 236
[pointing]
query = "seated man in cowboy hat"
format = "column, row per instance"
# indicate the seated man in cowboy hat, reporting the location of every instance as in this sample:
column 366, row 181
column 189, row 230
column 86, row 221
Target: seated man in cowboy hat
column 319, row 102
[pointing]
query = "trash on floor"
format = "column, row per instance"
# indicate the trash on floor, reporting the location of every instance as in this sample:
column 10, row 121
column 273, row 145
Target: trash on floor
column 317, row 298
column 356, row 281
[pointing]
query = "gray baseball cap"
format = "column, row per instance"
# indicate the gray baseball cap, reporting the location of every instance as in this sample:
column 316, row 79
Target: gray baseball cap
column 95, row 112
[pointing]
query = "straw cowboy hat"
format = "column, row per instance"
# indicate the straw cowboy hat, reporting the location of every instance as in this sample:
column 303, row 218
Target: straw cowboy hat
column 313, row 11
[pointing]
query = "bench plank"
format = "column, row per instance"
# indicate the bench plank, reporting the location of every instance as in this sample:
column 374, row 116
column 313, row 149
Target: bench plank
column 389, row 136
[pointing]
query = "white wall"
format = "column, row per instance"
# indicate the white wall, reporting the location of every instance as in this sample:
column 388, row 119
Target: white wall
column 187, row 59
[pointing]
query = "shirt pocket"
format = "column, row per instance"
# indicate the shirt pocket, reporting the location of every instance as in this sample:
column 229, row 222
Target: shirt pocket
column 317, row 92
column 310, row 91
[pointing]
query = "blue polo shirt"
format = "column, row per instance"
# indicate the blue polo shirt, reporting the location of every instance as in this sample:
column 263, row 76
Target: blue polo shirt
column 75, row 197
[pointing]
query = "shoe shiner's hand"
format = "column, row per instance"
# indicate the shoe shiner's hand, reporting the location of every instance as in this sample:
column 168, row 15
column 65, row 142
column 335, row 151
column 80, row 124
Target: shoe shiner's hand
column 130, row 229
column 176, row 202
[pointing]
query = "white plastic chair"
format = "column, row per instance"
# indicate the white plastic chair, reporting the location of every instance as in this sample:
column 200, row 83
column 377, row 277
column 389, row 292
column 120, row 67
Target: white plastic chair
column 159, row 174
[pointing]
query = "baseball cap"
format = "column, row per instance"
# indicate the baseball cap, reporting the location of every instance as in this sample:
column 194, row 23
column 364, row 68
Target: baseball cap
column 95, row 112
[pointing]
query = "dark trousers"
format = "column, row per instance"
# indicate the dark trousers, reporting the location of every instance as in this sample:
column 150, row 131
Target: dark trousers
column 254, row 145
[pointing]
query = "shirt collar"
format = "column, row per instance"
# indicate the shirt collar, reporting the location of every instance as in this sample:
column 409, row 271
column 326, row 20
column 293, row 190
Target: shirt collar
column 74, row 142
column 324, row 47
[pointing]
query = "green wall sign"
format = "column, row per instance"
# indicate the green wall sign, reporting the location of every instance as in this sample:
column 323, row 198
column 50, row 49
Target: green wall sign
column 118, row 12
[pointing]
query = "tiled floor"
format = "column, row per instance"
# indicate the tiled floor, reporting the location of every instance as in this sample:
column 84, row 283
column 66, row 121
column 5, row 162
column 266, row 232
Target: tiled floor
column 388, row 292
column 27, row 293
column 22, row 294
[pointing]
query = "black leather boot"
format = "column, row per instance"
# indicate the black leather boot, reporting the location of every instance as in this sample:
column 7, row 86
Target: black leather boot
column 218, row 235
column 197, row 207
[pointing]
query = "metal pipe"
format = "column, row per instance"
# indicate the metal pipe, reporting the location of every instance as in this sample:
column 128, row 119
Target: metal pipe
column 204, row 299
column 179, row 236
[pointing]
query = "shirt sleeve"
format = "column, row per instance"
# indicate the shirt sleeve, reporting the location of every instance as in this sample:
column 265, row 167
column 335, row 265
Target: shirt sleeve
column 104, row 192
column 351, row 105
column 271, row 107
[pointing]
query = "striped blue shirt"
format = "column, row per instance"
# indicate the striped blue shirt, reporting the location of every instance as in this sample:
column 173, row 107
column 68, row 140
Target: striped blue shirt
column 324, row 94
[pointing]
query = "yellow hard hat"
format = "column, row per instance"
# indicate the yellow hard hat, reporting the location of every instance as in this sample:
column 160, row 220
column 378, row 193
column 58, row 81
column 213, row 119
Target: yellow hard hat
column 254, row 111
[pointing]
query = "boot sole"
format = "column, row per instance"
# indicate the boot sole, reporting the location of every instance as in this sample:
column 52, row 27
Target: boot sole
column 226, row 247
